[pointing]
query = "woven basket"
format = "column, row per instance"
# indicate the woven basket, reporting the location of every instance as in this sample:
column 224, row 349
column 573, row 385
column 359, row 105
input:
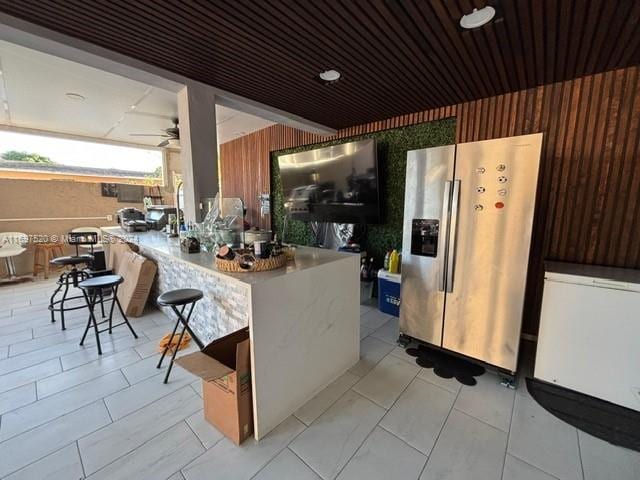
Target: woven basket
column 259, row 265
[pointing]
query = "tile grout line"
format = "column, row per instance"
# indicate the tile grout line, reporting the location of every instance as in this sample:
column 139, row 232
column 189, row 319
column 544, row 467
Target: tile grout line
column 92, row 378
column 90, row 345
column 143, row 444
column 579, row 452
column 38, row 398
column 84, row 473
column 429, row 382
column 506, row 450
column 532, row 465
column 444, row 424
column 107, row 409
column 332, row 403
column 38, row 459
column 483, row 422
column 26, row 404
column 378, row 422
column 282, row 449
column 145, row 405
column 62, row 415
column 296, row 455
column 197, row 436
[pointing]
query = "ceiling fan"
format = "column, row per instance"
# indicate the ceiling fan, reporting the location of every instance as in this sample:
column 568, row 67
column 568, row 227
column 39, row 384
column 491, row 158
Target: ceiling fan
column 172, row 135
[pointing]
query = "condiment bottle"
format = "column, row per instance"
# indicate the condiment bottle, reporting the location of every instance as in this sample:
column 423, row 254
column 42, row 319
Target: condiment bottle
column 393, row 261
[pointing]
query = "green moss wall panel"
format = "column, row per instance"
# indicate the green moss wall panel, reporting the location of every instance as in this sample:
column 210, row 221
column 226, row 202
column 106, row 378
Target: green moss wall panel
column 392, row 145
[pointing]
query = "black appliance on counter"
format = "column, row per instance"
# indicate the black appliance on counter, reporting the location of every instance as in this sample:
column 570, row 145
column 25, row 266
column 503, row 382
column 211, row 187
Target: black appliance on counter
column 157, row 216
column 131, row 220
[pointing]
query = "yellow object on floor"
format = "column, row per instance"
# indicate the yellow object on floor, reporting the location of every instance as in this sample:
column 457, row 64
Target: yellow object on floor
column 172, row 342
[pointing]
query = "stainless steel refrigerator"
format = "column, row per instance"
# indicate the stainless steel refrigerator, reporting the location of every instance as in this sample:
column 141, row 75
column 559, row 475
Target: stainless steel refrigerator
column 467, row 231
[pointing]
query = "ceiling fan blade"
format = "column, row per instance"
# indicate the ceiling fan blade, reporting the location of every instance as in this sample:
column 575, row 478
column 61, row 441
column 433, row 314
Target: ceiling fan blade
column 147, row 135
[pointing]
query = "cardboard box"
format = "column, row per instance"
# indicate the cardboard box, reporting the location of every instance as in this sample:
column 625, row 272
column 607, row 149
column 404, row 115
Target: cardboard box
column 225, row 368
column 116, row 251
column 138, row 273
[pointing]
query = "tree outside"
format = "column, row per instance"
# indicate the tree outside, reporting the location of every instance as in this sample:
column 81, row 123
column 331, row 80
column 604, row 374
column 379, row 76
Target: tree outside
column 16, row 156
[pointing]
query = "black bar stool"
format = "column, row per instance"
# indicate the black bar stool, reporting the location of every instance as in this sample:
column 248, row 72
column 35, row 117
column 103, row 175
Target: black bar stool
column 174, row 299
column 91, row 289
column 74, row 275
column 67, row 278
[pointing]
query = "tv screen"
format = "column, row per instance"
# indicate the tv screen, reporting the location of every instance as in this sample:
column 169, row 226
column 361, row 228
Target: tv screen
column 332, row 184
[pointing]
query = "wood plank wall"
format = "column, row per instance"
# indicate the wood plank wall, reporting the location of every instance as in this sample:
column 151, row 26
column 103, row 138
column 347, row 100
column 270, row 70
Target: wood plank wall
column 588, row 205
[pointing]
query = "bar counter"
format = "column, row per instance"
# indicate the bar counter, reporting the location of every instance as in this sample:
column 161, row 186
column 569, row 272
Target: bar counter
column 303, row 318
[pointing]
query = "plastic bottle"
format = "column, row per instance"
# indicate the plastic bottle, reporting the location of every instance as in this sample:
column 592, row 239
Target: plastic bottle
column 364, row 274
column 386, row 260
column 393, row 261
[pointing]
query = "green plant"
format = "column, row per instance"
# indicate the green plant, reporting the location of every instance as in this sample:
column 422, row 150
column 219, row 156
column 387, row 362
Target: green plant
column 16, row 156
column 392, row 161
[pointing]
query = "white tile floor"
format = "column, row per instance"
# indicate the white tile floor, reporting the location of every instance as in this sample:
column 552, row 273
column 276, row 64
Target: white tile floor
column 67, row 414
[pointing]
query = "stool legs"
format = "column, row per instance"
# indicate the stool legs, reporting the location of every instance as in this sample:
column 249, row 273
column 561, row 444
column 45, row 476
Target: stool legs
column 126, row 320
column 175, row 328
column 113, row 304
column 64, row 297
column 67, row 279
column 53, row 318
column 102, row 304
column 91, row 303
column 185, row 323
column 92, row 320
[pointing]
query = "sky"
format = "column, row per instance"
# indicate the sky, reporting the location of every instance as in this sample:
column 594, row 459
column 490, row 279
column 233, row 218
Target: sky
column 83, row 154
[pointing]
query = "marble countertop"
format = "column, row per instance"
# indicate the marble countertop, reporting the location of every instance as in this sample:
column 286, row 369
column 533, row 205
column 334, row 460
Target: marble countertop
column 306, row 257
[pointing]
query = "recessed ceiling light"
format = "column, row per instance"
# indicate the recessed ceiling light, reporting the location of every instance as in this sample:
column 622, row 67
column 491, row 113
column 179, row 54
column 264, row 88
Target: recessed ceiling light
column 478, row 17
column 132, row 107
column 76, row 97
column 329, row 76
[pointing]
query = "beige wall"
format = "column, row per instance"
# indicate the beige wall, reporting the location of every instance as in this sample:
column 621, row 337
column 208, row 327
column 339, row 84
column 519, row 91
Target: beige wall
column 51, row 199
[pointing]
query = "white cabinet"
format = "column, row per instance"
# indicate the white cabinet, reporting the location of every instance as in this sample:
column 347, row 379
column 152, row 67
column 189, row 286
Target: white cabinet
column 589, row 339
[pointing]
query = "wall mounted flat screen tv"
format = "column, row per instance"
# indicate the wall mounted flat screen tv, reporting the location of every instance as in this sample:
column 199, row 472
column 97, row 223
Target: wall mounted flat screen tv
column 332, row 184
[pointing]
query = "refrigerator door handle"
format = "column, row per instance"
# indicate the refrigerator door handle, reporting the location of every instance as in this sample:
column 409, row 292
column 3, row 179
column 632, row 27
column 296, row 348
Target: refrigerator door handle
column 453, row 234
column 444, row 230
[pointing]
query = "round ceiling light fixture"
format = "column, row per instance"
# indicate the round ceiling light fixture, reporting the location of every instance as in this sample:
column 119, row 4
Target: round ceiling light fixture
column 76, row 97
column 329, row 76
column 478, row 17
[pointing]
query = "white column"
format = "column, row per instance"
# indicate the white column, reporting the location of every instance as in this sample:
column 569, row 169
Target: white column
column 198, row 147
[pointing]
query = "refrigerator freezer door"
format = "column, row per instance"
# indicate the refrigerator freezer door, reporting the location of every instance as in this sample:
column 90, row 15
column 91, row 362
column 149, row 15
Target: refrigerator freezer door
column 426, row 213
column 498, row 180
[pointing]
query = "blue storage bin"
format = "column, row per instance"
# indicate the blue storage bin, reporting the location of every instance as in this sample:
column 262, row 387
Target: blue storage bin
column 389, row 292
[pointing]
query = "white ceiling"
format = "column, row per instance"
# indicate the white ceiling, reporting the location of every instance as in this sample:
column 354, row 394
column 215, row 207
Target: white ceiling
column 33, row 87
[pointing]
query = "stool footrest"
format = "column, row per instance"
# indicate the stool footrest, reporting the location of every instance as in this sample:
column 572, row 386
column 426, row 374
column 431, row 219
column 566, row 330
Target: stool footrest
column 112, row 326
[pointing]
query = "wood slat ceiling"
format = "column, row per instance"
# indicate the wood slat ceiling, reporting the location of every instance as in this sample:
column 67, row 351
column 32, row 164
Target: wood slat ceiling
column 396, row 56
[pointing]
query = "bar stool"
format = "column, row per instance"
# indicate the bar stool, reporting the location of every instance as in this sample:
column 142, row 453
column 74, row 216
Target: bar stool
column 85, row 239
column 42, row 256
column 68, row 278
column 90, row 241
column 179, row 298
column 91, row 289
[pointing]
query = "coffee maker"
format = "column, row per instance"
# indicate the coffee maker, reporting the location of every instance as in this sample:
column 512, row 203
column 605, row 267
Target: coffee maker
column 157, row 216
column 131, row 220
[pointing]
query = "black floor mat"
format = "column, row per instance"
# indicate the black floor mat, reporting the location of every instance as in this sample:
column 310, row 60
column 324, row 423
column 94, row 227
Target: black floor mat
column 607, row 421
column 445, row 365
